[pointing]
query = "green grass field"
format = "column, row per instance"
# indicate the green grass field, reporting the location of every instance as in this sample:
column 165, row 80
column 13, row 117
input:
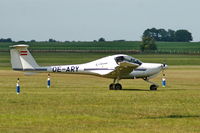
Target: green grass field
column 82, row 103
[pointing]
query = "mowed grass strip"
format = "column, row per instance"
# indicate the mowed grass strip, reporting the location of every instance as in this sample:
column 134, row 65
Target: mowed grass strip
column 82, row 103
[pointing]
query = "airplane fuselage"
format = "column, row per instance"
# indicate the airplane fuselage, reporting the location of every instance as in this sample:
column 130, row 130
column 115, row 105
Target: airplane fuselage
column 105, row 65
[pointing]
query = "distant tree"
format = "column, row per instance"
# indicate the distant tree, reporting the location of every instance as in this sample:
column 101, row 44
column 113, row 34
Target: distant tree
column 162, row 35
column 152, row 33
column 119, row 40
column 21, row 42
column 183, row 36
column 148, row 43
column 9, row 40
column 32, row 41
column 171, row 35
column 101, row 39
column 6, row 40
column 52, row 40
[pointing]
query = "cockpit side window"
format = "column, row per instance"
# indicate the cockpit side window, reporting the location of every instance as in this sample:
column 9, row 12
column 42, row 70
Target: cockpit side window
column 138, row 62
column 128, row 59
column 119, row 59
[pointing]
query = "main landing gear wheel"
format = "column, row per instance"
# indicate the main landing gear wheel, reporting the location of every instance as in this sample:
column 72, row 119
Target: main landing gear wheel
column 153, row 87
column 111, row 86
column 118, row 86
column 115, row 86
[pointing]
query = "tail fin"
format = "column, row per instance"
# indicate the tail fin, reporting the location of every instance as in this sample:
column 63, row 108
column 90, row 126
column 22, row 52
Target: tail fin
column 21, row 58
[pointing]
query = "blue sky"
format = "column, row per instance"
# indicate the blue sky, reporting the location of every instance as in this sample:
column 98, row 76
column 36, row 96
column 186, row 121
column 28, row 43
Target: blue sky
column 88, row 20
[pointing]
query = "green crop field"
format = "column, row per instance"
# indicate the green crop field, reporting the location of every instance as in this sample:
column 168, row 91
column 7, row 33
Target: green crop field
column 78, row 45
column 83, row 103
column 169, row 47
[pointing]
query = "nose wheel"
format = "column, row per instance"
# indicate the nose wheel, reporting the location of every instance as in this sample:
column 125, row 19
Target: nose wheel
column 115, row 86
column 154, row 86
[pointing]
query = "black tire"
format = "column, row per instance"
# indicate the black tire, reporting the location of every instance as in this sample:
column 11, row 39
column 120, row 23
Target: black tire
column 112, row 86
column 118, row 86
column 153, row 87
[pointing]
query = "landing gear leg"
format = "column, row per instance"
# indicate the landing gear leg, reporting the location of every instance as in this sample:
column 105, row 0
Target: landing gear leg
column 115, row 86
column 153, row 86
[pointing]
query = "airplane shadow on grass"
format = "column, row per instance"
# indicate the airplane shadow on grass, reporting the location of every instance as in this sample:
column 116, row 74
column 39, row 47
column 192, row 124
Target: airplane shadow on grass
column 174, row 117
column 134, row 90
column 128, row 89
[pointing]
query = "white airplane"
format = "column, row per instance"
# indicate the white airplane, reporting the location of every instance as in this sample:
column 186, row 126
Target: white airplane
column 117, row 67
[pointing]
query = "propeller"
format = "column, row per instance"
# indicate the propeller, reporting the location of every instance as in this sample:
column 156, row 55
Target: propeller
column 164, row 66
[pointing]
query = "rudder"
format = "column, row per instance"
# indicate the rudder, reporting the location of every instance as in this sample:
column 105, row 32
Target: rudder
column 21, row 58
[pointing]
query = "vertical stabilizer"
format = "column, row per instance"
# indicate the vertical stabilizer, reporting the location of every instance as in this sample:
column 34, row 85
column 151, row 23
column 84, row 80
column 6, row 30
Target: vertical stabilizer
column 21, row 58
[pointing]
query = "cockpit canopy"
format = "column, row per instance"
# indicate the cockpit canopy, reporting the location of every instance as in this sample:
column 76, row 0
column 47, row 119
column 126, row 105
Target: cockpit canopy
column 127, row 59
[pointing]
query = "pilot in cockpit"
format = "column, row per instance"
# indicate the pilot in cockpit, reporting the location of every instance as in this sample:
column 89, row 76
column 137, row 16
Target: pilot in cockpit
column 128, row 59
column 119, row 59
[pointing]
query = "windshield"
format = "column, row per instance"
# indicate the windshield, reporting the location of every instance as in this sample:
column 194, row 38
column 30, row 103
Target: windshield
column 127, row 59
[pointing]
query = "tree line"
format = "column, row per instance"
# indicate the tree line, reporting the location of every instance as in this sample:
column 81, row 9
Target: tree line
column 150, row 36
column 156, row 34
column 54, row 40
column 6, row 40
column 168, row 35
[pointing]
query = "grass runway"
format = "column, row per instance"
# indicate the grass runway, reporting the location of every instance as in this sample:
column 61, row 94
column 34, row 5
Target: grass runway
column 82, row 104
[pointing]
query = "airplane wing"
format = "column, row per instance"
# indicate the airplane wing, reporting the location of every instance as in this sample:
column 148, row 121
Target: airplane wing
column 122, row 70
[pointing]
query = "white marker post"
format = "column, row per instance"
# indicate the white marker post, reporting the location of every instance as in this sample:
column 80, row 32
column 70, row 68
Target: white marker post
column 163, row 81
column 48, row 81
column 17, row 87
